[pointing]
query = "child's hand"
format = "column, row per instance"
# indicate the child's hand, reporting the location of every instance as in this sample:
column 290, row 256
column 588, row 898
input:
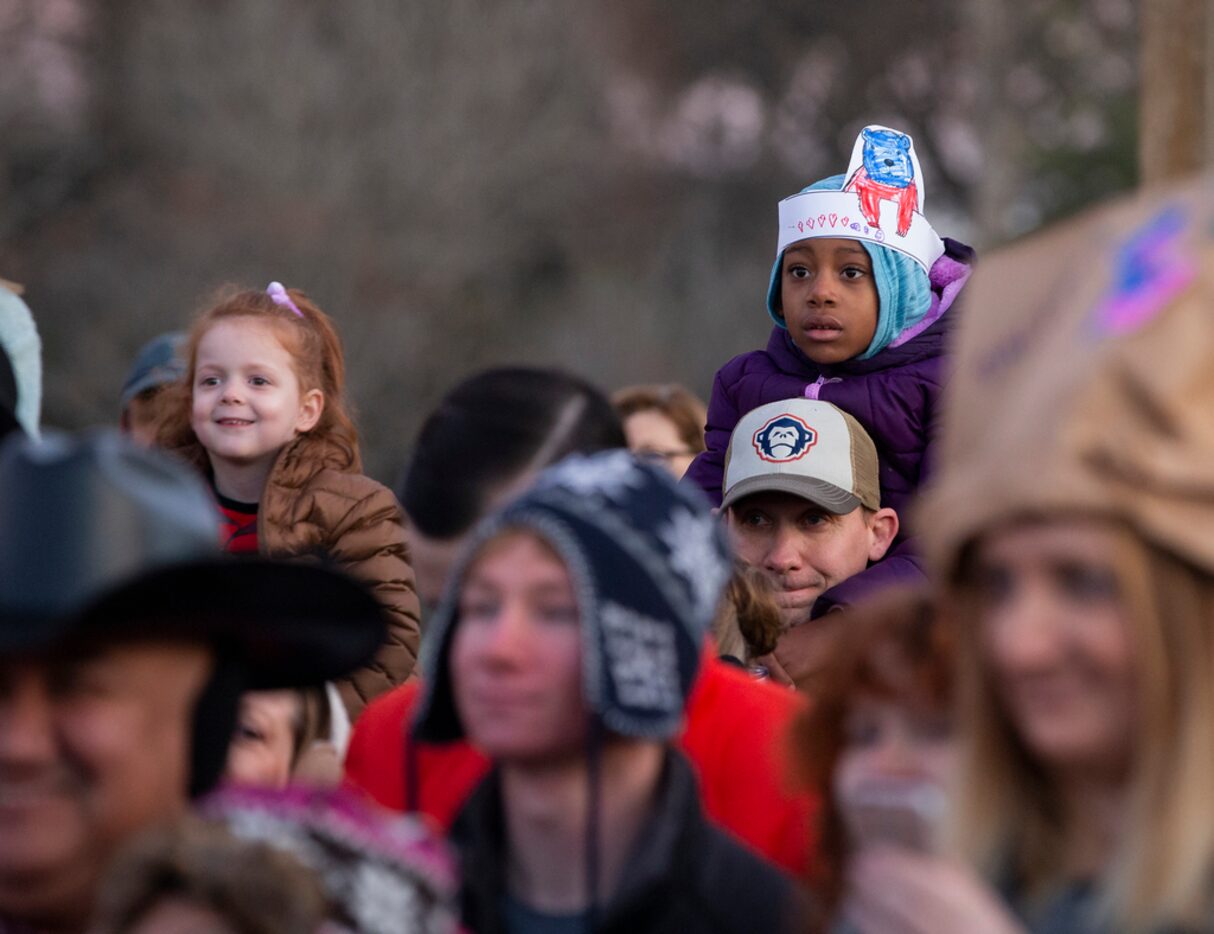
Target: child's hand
column 892, row 891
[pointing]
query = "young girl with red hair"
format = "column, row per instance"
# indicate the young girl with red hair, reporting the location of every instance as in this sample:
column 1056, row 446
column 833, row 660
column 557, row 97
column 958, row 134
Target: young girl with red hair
column 262, row 413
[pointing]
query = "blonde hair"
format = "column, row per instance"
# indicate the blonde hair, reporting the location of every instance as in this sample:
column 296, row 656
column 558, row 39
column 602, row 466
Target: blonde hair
column 1007, row 817
column 748, row 622
column 310, row 338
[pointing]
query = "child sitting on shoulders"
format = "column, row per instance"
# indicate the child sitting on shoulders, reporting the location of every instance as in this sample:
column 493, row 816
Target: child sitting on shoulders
column 859, row 294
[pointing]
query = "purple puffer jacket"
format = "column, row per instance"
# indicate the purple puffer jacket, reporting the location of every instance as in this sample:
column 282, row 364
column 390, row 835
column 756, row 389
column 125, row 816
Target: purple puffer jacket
column 894, row 395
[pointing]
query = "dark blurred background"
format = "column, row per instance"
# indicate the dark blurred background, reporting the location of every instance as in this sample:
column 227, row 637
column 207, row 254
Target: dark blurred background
column 470, row 182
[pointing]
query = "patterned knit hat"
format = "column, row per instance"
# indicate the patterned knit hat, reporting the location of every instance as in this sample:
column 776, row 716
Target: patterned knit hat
column 381, row 872
column 648, row 562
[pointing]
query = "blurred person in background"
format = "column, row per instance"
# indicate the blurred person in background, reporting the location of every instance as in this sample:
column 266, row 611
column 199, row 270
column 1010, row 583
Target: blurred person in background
column 878, row 745
column 275, row 731
column 664, row 422
column 8, row 398
column 21, row 385
column 157, row 366
column 483, row 444
column 295, row 861
column 259, row 861
column 1071, row 523
column 262, row 414
column 565, row 649
column 193, row 877
column 124, row 647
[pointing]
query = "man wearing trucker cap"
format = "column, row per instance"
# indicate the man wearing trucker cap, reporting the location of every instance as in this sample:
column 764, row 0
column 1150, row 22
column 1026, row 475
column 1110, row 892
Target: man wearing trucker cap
column 803, row 505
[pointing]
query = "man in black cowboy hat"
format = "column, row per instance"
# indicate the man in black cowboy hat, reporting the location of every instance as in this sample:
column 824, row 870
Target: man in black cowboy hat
column 125, row 642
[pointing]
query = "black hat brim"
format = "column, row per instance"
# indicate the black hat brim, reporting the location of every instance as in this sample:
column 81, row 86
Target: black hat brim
column 289, row 624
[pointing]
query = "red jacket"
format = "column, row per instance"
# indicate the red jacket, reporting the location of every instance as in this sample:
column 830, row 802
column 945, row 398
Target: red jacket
column 734, row 736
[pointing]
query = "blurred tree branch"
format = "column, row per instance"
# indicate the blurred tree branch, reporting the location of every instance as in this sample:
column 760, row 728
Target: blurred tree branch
column 465, row 183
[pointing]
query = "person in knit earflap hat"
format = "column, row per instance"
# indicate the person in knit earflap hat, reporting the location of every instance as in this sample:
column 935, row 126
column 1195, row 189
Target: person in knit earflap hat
column 859, row 294
column 565, row 648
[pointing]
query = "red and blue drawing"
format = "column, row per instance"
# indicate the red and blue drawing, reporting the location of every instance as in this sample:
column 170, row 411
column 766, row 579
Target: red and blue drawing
column 887, row 174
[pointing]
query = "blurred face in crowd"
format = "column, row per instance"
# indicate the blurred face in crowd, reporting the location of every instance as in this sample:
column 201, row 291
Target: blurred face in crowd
column 828, row 298
column 142, row 415
column 247, row 401
column 896, row 761
column 516, row 656
column 1056, row 639
column 803, row 549
column 433, row 559
column 263, row 746
column 651, row 434
column 93, row 748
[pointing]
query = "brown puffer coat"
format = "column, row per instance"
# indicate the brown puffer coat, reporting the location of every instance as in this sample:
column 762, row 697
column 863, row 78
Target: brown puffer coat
column 312, row 507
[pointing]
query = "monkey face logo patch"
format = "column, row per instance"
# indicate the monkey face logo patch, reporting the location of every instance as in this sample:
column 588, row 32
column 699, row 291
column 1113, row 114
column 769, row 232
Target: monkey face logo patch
column 784, row 438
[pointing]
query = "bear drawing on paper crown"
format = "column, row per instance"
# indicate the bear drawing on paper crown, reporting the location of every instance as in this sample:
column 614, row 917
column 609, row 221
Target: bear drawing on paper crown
column 888, row 174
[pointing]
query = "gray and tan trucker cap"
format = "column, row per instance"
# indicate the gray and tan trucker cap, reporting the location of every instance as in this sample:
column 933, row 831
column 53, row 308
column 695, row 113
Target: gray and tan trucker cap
column 809, row 448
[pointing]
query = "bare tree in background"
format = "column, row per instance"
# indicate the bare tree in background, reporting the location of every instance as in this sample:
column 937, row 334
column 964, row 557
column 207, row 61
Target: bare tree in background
column 1175, row 136
column 466, row 183
column 47, row 141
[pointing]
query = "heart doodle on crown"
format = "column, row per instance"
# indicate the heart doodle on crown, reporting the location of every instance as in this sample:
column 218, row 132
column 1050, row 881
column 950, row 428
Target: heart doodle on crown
column 834, row 219
column 821, row 220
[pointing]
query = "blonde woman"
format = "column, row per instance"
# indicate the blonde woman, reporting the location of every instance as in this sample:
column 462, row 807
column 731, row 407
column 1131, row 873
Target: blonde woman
column 1071, row 521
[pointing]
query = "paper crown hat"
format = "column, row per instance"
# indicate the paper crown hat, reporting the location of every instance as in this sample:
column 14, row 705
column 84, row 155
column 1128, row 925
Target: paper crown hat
column 1083, row 381
column 881, row 201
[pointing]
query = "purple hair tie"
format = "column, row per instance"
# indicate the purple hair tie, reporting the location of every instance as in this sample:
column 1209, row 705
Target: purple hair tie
column 280, row 297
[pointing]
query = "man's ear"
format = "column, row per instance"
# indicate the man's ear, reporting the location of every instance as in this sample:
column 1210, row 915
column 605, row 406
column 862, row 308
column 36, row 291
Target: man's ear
column 311, row 407
column 882, row 527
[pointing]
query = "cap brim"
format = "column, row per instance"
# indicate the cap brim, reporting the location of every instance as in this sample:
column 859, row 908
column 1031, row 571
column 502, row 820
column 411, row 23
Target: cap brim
column 158, row 377
column 833, row 499
column 291, row 624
